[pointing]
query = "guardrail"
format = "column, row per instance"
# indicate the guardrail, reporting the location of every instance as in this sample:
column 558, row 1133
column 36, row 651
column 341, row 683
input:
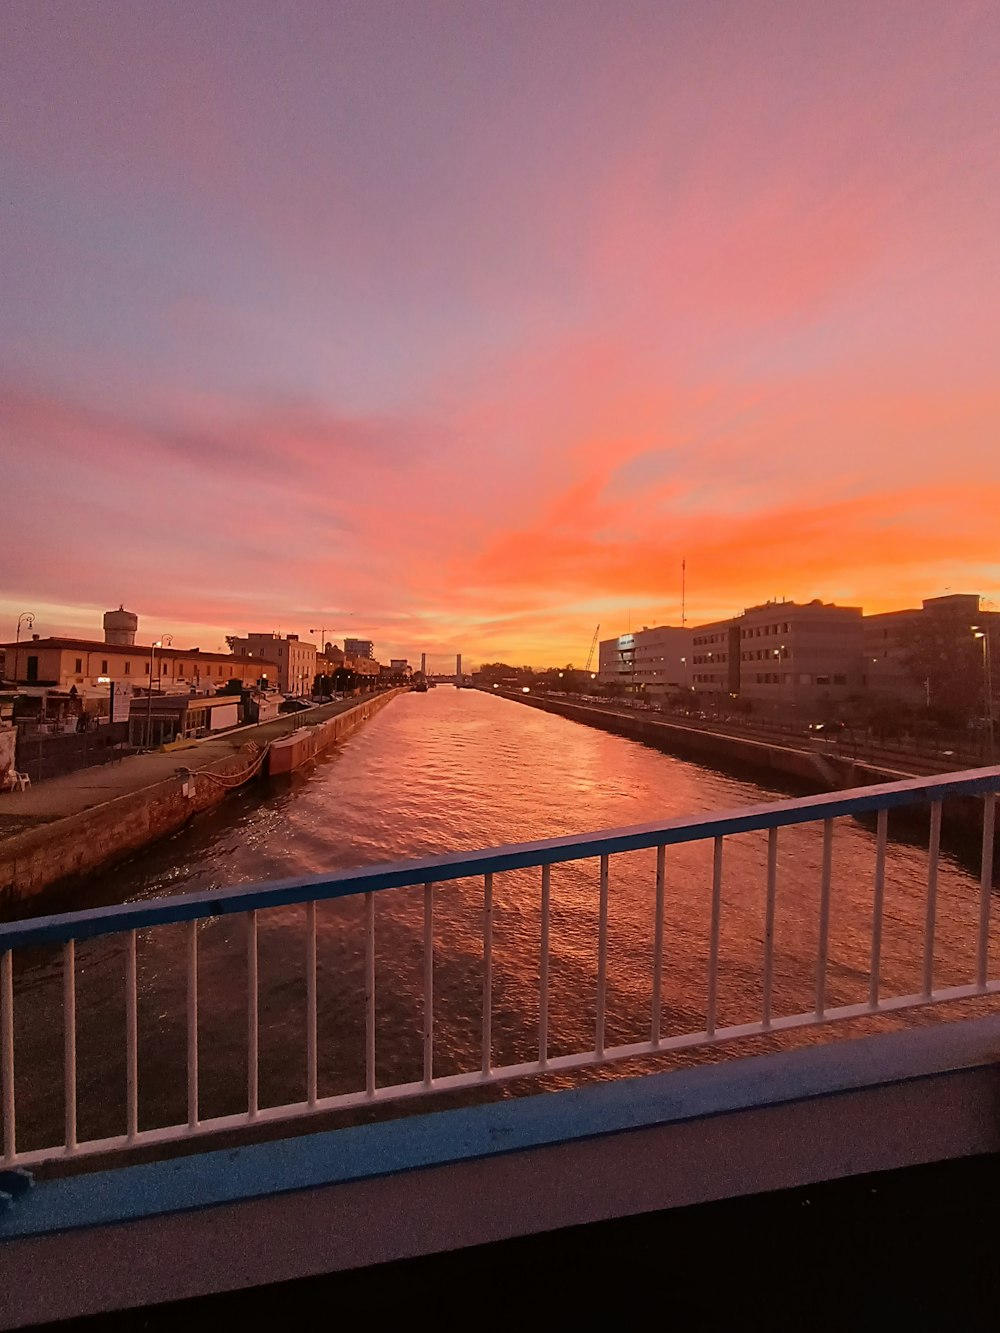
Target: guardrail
column 427, row 877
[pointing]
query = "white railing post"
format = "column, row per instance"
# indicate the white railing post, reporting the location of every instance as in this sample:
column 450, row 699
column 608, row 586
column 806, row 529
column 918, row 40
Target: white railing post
column 253, row 1019
column 69, row 1041
column 311, row 1020
column 192, row 1025
column 602, row 959
column 933, row 856
column 661, row 857
column 772, row 886
column 487, row 1040
column 428, row 985
column 823, row 945
column 7, row 1053
column 131, row 1038
column 370, row 994
column 985, row 888
column 713, row 940
column 543, row 971
column 878, row 902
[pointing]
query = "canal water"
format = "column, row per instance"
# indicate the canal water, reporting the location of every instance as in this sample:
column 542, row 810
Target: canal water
column 441, row 772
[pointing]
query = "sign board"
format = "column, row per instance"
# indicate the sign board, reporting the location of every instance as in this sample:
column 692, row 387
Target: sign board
column 121, row 701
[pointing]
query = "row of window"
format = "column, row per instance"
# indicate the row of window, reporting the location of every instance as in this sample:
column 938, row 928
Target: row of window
column 762, row 654
column 207, row 671
column 764, row 630
column 709, row 657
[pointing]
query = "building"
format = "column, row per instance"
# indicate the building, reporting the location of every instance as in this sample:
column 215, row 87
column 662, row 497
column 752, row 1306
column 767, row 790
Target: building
column 90, row 666
column 359, row 648
column 789, row 656
column 796, row 657
column 951, row 621
column 653, row 661
column 399, row 666
column 160, row 719
column 296, row 660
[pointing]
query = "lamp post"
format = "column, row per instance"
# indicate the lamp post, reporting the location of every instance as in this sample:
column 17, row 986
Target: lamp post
column 984, row 636
column 25, row 618
column 157, row 643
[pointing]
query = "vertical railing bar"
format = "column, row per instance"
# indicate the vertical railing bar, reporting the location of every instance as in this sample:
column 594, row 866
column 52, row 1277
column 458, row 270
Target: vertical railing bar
column 253, row 1019
column 69, row 1041
column 487, row 973
column 428, row 984
column 772, row 887
column 370, row 994
column 602, row 959
column 7, row 1053
column 131, row 1037
column 543, row 971
column 985, row 887
column 823, row 945
column 933, row 857
column 713, row 945
column 881, row 843
column 311, row 1024
column 192, row 1024
column 661, row 857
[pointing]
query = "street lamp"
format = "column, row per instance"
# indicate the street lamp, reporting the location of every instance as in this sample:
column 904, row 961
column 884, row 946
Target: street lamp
column 157, row 643
column 25, row 618
column 984, row 635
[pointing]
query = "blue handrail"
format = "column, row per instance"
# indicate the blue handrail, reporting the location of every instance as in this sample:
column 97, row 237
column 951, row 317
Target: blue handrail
column 518, row 856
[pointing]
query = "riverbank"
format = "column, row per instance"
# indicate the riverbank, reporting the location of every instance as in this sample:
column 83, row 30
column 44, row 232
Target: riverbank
column 83, row 822
column 822, row 769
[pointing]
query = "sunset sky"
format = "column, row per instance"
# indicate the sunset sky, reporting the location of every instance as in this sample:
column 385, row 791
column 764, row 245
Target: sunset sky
column 457, row 324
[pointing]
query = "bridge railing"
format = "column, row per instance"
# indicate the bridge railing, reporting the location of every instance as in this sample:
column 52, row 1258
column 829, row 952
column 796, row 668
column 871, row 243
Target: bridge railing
column 432, row 876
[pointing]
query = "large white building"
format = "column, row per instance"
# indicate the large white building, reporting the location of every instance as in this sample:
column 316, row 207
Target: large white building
column 787, row 655
column 654, row 661
column 295, row 659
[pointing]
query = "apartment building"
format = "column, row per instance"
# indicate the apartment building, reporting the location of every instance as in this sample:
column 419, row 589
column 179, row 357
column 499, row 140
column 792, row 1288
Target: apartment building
column 652, row 661
column 296, row 660
column 90, row 665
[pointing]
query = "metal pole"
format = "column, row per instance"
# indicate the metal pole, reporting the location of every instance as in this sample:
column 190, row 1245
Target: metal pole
column 988, row 688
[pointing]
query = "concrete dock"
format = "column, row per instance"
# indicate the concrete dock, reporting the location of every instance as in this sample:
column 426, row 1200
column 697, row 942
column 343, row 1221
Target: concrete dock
column 76, row 824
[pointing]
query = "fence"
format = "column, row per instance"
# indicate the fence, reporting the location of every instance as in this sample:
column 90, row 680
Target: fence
column 44, row 755
column 428, row 878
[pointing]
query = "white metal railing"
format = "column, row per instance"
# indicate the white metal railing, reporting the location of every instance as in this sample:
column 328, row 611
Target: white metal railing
column 126, row 921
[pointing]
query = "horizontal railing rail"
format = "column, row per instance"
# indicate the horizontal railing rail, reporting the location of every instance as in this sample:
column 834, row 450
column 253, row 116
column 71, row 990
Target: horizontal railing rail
column 518, row 856
column 126, row 920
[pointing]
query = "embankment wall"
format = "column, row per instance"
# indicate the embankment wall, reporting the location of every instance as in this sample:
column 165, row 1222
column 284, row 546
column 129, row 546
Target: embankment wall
column 60, row 851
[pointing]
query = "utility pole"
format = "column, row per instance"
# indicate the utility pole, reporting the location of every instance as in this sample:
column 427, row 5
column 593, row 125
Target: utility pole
column 683, row 593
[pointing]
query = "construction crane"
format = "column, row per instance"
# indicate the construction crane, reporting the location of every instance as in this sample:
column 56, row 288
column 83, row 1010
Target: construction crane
column 593, row 645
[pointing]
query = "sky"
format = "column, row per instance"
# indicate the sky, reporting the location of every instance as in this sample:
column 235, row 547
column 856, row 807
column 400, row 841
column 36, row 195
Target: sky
column 460, row 324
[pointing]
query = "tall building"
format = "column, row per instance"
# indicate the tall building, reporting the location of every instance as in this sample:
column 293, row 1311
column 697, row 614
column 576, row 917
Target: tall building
column 296, row 660
column 952, row 620
column 787, row 655
column 654, row 661
column 359, row 648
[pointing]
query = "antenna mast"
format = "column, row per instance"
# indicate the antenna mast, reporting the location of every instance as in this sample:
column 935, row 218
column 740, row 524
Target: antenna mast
column 683, row 593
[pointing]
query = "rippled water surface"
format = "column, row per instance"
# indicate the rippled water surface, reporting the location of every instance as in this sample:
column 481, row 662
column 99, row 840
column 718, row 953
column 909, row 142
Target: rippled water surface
column 440, row 772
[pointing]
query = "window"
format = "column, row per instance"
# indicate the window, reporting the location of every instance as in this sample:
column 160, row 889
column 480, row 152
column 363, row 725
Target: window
column 163, row 668
column 128, row 668
column 146, row 667
column 840, row 680
column 79, row 665
column 104, row 666
column 822, row 680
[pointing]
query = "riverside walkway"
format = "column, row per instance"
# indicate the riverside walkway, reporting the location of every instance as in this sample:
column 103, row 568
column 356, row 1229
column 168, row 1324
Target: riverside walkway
column 73, row 793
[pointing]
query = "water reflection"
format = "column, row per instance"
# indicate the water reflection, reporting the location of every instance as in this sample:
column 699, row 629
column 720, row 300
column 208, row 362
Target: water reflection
column 446, row 771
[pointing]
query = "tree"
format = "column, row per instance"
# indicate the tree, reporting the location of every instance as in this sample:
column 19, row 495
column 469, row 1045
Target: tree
column 942, row 655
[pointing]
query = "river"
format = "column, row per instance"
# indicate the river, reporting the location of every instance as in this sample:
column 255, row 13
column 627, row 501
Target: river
column 439, row 772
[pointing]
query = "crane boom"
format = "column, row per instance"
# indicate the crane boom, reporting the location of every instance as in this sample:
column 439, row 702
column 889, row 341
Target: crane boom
column 593, row 645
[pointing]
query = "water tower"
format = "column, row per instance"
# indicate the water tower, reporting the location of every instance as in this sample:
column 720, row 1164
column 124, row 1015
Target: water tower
column 120, row 627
